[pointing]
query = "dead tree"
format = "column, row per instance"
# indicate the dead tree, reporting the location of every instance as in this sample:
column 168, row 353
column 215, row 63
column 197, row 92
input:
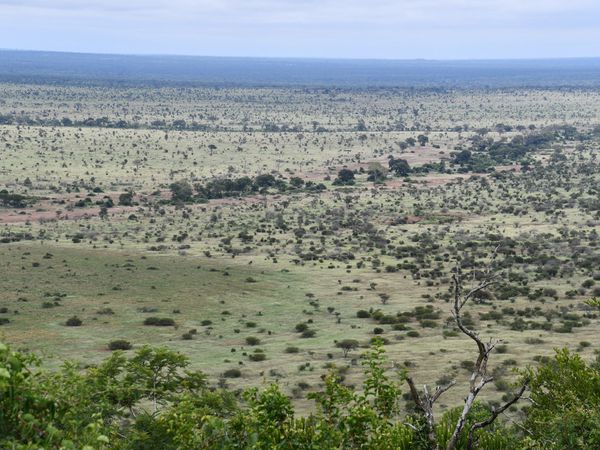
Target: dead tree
column 479, row 377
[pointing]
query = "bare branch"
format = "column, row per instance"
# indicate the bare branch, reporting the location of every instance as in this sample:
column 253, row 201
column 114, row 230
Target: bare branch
column 414, row 392
column 479, row 377
column 494, row 416
column 440, row 390
column 425, row 403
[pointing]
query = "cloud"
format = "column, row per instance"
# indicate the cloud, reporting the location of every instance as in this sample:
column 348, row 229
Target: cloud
column 316, row 11
column 300, row 26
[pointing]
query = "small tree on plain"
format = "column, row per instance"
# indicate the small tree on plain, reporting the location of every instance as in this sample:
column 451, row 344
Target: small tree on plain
column 347, row 345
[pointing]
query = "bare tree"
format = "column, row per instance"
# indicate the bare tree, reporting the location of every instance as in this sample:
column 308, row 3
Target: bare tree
column 479, row 377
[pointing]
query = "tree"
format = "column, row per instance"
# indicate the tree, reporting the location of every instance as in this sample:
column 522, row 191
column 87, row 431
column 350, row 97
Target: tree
column 377, row 173
column 345, row 177
column 126, row 199
column 479, row 375
column 565, row 403
column 462, row 157
column 422, row 140
column 181, row 191
column 296, row 182
column 384, row 298
column 347, row 345
column 400, row 167
column 264, row 180
column 361, row 126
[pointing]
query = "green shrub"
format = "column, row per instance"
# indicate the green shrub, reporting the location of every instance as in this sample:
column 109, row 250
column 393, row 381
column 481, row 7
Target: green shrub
column 73, row 322
column 308, row 333
column 252, row 340
column 232, row 373
column 119, row 344
column 159, row 321
column 257, row 356
column 300, row 327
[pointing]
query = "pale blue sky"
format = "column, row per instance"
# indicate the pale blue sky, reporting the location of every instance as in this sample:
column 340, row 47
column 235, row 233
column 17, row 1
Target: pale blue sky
column 399, row 29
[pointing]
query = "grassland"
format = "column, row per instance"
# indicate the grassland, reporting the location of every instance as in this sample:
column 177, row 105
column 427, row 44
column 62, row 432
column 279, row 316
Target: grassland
column 256, row 266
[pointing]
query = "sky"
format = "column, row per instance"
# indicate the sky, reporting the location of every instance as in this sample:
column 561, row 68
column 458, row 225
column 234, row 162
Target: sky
column 382, row 29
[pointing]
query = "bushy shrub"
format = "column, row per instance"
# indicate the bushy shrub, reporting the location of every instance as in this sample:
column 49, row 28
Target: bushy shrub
column 252, row 340
column 363, row 314
column 73, row 322
column 232, row 373
column 159, row 321
column 257, row 356
column 119, row 344
column 300, row 327
column 308, row 333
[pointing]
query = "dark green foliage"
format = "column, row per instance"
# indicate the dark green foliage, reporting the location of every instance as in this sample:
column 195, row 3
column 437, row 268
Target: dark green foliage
column 565, row 412
column 126, row 199
column 257, row 356
column 252, row 340
column 159, row 321
column 73, row 322
column 119, row 344
column 308, row 333
column 347, row 345
column 9, row 200
column 399, row 167
column 232, row 373
column 174, row 408
column 362, row 314
column 345, row 177
column 181, row 191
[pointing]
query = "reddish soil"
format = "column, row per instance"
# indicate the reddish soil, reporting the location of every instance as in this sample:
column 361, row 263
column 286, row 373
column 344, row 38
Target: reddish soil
column 48, row 209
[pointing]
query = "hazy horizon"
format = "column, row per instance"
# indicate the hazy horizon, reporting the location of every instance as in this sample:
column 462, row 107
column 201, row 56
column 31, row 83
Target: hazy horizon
column 317, row 58
column 67, row 67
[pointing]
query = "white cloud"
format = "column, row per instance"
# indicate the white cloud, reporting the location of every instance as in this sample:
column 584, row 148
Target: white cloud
column 249, row 26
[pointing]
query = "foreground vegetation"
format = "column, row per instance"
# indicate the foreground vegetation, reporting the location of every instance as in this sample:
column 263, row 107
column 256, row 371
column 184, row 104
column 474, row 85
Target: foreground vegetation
column 152, row 401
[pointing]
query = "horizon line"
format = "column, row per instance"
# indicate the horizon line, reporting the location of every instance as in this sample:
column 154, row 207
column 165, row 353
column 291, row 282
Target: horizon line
column 323, row 58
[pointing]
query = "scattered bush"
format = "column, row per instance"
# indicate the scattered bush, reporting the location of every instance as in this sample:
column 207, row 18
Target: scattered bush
column 159, row 321
column 119, row 344
column 252, row 340
column 73, row 322
column 232, row 373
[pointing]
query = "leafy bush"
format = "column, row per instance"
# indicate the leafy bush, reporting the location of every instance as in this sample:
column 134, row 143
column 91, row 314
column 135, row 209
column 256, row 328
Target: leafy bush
column 232, row 373
column 363, row 314
column 252, row 340
column 159, row 321
column 257, row 356
column 73, row 322
column 308, row 333
column 119, row 344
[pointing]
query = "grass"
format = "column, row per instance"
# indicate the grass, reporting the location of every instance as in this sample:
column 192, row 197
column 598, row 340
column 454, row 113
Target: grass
column 194, row 264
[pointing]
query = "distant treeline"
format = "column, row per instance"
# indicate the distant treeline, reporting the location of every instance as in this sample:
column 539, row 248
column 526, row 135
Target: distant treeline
column 104, row 122
column 81, row 69
column 12, row 200
column 183, row 191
